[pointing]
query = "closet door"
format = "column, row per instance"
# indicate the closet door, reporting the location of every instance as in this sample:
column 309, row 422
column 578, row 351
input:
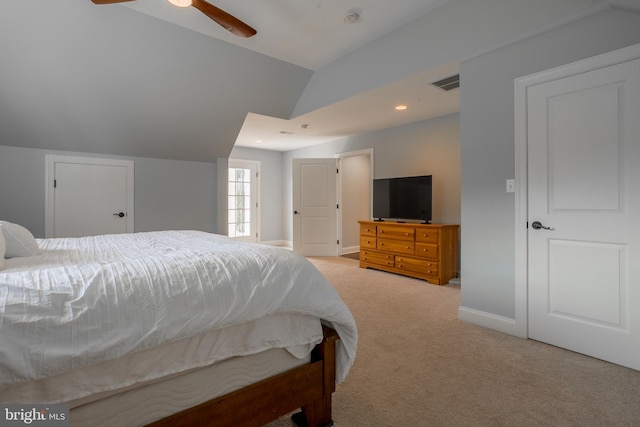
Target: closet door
column 315, row 207
column 88, row 197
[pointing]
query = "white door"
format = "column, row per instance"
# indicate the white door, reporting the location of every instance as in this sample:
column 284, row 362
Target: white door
column 584, row 187
column 315, row 207
column 243, row 205
column 88, row 197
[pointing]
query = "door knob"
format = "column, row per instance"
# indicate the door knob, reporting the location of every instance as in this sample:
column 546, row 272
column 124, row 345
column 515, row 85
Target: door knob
column 120, row 214
column 537, row 225
column 296, row 212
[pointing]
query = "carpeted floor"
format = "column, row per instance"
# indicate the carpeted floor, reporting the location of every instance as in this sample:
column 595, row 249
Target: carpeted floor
column 418, row 365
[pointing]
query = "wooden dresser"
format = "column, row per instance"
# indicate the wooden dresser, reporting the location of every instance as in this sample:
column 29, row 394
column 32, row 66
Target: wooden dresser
column 424, row 251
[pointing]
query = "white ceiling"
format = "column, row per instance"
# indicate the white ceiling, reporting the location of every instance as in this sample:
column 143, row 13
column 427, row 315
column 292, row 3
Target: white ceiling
column 366, row 112
column 308, row 33
column 312, row 34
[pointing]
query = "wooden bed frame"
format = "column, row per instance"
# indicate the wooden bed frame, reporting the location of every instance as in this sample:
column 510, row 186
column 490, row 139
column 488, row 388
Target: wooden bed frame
column 308, row 387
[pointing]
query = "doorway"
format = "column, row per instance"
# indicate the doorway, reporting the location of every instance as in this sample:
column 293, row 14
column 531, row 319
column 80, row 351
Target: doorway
column 244, row 200
column 355, row 197
column 352, row 198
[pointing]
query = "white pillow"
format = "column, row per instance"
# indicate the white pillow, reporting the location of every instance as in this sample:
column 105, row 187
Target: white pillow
column 2, row 248
column 18, row 240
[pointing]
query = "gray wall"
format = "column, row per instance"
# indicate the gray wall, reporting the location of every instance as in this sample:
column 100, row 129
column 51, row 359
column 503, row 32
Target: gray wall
column 429, row 147
column 169, row 194
column 456, row 30
column 271, row 190
column 487, row 147
column 75, row 76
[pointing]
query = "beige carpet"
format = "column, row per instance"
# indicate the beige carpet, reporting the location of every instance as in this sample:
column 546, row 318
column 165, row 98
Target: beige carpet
column 418, row 365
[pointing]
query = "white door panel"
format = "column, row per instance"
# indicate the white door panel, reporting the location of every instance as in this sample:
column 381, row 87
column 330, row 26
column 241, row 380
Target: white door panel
column 88, row 197
column 315, row 207
column 583, row 176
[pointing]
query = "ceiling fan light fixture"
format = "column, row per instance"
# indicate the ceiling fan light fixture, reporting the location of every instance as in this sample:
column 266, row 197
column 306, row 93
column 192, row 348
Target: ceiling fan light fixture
column 180, row 3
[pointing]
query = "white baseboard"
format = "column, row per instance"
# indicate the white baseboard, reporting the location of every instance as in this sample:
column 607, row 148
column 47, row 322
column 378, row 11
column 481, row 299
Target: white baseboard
column 350, row 250
column 282, row 243
column 489, row 320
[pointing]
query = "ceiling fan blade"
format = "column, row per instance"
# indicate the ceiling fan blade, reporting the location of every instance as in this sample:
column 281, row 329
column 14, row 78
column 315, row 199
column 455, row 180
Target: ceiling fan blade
column 109, row 1
column 227, row 21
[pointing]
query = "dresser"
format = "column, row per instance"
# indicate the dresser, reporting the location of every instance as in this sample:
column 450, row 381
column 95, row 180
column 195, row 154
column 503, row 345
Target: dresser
column 424, row 251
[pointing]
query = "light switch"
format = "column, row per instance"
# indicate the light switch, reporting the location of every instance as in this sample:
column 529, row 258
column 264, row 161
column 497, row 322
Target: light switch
column 511, row 186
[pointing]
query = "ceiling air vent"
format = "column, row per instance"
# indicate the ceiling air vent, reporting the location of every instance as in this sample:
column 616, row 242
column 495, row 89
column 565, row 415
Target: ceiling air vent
column 448, row 83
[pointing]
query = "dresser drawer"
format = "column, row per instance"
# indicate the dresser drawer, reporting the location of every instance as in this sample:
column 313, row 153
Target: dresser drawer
column 396, row 246
column 427, row 250
column 397, row 232
column 377, row 258
column 427, row 236
column 367, row 230
column 421, row 266
column 367, row 242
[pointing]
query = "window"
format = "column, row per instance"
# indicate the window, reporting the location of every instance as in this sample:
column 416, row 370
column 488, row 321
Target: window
column 243, row 200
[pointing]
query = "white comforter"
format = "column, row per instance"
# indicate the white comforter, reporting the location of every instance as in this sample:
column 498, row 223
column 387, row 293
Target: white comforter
column 87, row 300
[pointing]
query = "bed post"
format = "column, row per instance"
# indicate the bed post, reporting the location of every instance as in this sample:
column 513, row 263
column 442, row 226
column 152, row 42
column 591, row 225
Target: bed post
column 318, row 412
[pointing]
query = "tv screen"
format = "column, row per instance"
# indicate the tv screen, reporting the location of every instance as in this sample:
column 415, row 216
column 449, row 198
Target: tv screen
column 402, row 198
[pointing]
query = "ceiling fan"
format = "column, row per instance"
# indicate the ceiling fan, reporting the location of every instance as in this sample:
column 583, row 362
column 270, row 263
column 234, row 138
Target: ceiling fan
column 227, row 21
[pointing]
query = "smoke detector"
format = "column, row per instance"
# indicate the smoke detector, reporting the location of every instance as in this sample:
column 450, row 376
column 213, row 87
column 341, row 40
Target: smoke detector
column 351, row 17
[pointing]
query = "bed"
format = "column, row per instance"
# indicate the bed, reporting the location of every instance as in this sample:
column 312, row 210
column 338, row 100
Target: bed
column 169, row 328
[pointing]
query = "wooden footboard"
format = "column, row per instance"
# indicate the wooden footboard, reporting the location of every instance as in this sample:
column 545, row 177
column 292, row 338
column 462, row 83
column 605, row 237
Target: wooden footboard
column 308, row 387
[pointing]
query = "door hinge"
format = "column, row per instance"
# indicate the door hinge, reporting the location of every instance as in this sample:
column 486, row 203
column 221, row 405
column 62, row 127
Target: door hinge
column 337, row 242
column 337, row 206
column 337, row 170
column 55, row 183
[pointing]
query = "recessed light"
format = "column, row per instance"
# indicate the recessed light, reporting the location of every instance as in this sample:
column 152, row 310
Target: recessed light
column 401, row 107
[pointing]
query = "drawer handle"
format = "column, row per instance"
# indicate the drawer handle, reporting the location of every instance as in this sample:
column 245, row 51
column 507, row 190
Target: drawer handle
column 406, row 234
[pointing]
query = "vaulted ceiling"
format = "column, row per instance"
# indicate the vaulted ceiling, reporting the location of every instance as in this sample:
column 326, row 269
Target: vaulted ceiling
column 147, row 79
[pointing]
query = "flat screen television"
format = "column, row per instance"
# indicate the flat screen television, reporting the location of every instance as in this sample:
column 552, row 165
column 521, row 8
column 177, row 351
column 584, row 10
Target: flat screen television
column 406, row 198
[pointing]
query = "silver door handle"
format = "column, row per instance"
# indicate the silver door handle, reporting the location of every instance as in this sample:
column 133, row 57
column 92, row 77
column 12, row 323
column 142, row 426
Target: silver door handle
column 537, row 225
